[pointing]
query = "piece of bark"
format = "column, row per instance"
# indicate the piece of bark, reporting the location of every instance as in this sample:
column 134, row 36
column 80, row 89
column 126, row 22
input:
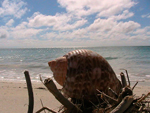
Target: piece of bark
column 123, row 106
column 30, row 92
column 53, row 89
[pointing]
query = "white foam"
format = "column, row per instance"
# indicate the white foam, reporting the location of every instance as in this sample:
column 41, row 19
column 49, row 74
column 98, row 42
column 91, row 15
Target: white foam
column 147, row 76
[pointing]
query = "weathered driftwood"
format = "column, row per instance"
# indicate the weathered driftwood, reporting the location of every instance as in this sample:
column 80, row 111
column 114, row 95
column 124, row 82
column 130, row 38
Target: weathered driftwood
column 30, row 92
column 124, row 104
column 127, row 76
column 71, row 108
column 123, row 79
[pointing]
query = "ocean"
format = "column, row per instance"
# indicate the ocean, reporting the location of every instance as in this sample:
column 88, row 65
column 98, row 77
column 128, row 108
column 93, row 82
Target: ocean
column 13, row 62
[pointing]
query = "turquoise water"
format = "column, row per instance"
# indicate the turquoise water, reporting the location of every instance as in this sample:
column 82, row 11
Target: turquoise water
column 13, row 62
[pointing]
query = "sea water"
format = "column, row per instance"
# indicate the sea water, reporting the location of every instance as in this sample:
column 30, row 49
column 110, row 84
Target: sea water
column 13, row 62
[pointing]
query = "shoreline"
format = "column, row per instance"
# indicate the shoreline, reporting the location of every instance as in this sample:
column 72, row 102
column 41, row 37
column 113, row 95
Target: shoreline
column 14, row 96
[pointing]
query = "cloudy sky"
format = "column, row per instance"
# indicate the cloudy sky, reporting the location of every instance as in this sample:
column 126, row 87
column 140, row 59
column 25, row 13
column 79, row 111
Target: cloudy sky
column 67, row 23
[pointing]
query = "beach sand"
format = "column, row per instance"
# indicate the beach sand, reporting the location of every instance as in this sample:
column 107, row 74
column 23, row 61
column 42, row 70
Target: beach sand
column 14, row 96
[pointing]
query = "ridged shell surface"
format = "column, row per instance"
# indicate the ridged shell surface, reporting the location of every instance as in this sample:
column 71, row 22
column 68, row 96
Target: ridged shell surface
column 87, row 71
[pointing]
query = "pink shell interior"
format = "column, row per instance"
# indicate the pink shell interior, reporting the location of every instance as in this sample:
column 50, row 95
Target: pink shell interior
column 59, row 69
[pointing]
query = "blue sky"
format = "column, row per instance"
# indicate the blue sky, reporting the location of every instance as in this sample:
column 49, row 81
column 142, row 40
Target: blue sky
column 71, row 23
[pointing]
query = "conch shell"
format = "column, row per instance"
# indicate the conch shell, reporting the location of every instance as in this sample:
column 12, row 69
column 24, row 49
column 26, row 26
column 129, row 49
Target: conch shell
column 82, row 72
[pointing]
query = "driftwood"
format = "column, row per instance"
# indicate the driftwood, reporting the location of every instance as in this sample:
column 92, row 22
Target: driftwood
column 123, row 79
column 125, row 102
column 127, row 76
column 30, row 92
column 71, row 108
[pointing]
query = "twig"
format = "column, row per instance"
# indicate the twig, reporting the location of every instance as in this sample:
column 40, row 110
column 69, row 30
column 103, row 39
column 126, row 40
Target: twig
column 41, row 79
column 30, row 92
column 43, row 108
column 113, row 92
column 134, row 85
column 143, row 98
column 93, row 104
column 140, row 109
column 128, row 77
column 42, row 104
column 107, row 96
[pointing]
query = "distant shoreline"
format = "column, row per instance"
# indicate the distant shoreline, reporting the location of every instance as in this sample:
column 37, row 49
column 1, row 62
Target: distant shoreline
column 74, row 47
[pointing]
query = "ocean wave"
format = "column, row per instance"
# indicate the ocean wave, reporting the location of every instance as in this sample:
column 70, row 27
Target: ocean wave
column 111, row 58
column 13, row 75
column 25, row 66
column 135, row 77
column 148, row 76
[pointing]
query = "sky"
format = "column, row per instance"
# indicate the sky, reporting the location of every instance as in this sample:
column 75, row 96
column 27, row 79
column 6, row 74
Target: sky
column 74, row 23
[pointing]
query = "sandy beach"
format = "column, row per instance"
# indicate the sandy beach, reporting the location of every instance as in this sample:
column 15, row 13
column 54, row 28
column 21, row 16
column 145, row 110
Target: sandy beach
column 14, row 96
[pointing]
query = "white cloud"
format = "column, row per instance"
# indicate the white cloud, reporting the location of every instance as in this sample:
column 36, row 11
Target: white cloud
column 3, row 33
column 115, row 7
column 64, row 27
column 15, row 8
column 141, row 37
column 60, row 22
column 126, row 27
column 10, row 22
column 25, row 33
column 126, row 14
column 142, row 34
column 39, row 20
column 49, row 36
column 80, row 33
column 102, row 7
column 102, row 25
column 148, row 33
column 105, row 25
column 146, row 15
column 23, row 25
column 140, row 31
column 66, row 35
column 86, row 23
column 101, row 29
